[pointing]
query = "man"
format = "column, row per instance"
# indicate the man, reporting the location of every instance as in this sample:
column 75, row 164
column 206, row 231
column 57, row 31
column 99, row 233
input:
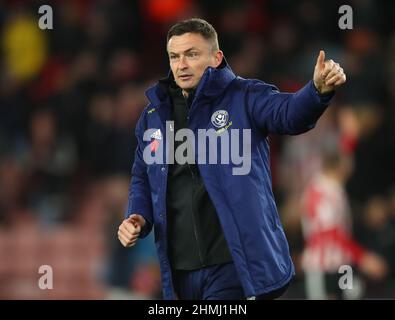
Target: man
column 326, row 224
column 218, row 234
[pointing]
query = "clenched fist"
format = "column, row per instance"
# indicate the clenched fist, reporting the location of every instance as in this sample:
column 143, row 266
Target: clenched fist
column 130, row 229
column 328, row 75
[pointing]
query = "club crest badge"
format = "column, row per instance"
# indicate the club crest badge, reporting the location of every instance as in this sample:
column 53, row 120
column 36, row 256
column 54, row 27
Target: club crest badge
column 220, row 118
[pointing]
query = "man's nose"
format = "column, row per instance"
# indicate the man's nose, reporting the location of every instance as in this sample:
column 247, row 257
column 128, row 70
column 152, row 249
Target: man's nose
column 182, row 64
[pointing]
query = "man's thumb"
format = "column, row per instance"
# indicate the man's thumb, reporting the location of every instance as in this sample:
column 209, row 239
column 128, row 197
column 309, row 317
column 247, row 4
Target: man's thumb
column 321, row 59
column 136, row 219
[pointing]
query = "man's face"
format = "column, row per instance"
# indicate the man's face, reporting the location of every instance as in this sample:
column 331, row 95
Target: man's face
column 190, row 54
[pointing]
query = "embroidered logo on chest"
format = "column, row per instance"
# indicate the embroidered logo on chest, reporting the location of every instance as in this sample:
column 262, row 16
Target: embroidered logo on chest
column 220, row 118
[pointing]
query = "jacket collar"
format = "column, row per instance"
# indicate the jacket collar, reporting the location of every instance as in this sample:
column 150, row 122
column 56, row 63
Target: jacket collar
column 213, row 82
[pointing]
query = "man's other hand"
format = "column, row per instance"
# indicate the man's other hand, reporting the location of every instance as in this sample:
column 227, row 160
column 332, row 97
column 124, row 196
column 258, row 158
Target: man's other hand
column 130, row 229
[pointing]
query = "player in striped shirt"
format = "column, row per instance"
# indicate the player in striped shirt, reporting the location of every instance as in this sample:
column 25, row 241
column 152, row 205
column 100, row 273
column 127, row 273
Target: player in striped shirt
column 326, row 225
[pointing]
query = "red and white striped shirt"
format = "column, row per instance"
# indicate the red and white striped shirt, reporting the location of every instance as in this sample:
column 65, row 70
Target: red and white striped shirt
column 326, row 224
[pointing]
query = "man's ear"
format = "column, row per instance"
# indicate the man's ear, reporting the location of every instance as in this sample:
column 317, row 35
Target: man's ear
column 219, row 55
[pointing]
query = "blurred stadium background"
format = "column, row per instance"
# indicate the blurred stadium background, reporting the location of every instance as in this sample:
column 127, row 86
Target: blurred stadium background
column 70, row 97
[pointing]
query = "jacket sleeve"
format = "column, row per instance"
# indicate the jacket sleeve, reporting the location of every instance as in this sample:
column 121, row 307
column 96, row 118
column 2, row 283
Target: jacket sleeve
column 139, row 201
column 286, row 113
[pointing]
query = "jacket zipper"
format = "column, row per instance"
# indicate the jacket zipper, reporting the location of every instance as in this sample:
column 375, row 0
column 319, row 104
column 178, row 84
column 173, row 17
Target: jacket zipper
column 192, row 202
column 194, row 221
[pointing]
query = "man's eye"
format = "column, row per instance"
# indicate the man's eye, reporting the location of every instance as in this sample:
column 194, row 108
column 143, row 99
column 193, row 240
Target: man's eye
column 193, row 54
column 173, row 57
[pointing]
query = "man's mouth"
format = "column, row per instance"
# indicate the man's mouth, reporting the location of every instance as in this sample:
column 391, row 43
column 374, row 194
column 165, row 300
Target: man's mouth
column 185, row 77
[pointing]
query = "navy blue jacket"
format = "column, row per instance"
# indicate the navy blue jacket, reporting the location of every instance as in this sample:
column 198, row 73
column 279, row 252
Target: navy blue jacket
column 245, row 203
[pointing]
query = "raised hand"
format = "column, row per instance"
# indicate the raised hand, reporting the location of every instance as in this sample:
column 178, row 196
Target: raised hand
column 328, row 75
